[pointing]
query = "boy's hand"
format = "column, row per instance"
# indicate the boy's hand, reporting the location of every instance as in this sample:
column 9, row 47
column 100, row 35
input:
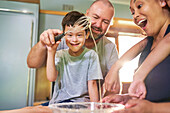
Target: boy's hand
column 47, row 37
column 52, row 49
column 137, row 89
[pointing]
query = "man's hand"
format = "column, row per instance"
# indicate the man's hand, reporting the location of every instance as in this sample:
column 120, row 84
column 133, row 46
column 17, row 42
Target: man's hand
column 47, row 37
column 112, row 82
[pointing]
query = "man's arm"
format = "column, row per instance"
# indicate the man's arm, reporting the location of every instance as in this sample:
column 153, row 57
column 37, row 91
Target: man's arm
column 37, row 56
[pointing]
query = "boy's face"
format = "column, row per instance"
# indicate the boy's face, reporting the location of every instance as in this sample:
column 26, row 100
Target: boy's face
column 148, row 15
column 75, row 40
column 100, row 16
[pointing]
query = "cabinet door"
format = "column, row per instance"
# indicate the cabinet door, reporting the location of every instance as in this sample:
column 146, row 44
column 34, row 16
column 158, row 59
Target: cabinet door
column 17, row 31
column 15, row 35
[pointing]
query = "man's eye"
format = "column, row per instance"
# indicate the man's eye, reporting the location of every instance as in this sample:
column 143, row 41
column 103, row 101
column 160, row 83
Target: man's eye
column 106, row 22
column 95, row 17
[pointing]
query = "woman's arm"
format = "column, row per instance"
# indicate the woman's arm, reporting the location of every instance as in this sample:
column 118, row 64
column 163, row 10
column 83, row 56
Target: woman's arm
column 161, row 51
column 158, row 54
column 93, row 91
column 112, row 75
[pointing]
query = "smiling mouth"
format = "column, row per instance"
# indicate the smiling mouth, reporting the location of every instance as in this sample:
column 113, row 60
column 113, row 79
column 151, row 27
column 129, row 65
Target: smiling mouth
column 74, row 44
column 142, row 23
column 96, row 29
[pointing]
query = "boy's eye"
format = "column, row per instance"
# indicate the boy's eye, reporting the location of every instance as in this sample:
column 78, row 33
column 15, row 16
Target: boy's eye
column 80, row 35
column 69, row 34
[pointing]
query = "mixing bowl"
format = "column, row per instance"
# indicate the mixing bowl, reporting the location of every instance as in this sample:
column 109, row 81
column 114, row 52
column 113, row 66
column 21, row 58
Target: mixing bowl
column 85, row 107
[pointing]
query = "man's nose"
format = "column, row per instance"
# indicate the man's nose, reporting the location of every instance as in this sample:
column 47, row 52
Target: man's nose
column 99, row 23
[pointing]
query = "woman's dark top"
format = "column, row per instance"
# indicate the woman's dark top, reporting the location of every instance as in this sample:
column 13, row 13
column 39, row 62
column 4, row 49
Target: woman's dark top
column 158, row 80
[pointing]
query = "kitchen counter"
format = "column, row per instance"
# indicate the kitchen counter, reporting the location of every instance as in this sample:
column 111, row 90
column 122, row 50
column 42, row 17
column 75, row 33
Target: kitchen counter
column 31, row 109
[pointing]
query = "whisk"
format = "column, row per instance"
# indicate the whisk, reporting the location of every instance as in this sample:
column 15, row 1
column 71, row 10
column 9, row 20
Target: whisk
column 82, row 23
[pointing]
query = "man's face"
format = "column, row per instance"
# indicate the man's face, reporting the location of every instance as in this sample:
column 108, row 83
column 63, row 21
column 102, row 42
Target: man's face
column 100, row 16
column 147, row 14
column 75, row 39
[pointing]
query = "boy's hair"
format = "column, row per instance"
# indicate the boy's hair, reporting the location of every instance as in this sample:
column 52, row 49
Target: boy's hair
column 70, row 18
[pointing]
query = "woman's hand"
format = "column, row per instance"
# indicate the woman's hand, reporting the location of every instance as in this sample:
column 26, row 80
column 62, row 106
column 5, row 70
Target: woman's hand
column 137, row 89
column 137, row 106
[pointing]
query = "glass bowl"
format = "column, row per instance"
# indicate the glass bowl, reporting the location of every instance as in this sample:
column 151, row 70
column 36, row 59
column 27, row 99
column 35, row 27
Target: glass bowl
column 85, row 107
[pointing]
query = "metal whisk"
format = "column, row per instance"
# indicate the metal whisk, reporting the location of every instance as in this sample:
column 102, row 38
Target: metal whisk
column 82, row 23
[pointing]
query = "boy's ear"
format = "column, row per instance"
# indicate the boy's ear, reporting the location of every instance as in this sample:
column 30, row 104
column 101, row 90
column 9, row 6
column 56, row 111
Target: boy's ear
column 162, row 3
column 88, row 33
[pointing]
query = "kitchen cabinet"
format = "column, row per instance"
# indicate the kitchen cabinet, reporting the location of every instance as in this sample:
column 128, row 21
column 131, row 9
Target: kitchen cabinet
column 18, row 33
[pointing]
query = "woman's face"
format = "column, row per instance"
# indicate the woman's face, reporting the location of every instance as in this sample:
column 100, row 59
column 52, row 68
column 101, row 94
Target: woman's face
column 147, row 14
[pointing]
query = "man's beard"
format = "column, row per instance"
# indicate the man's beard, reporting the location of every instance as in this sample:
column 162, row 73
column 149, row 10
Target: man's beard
column 96, row 35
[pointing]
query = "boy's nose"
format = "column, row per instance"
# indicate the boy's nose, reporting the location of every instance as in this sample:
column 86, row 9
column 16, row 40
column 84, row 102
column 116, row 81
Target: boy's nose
column 74, row 38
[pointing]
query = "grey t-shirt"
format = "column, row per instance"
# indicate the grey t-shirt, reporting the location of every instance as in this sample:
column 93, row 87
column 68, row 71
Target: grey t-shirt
column 107, row 53
column 74, row 74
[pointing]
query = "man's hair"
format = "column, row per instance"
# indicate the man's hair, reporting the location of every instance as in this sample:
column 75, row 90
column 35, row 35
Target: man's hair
column 70, row 18
column 106, row 2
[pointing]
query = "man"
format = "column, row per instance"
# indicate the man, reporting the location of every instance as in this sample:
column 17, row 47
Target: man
column 101, row 13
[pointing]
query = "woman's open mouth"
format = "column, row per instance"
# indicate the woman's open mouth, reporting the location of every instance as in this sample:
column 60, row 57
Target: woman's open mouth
column 142, row 23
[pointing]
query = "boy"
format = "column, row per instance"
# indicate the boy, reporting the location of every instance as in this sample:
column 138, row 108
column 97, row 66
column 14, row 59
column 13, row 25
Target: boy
column 76, row 69
column 154, row 48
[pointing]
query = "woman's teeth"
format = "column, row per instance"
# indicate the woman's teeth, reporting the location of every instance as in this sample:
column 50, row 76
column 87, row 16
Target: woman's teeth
column 142, row 23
